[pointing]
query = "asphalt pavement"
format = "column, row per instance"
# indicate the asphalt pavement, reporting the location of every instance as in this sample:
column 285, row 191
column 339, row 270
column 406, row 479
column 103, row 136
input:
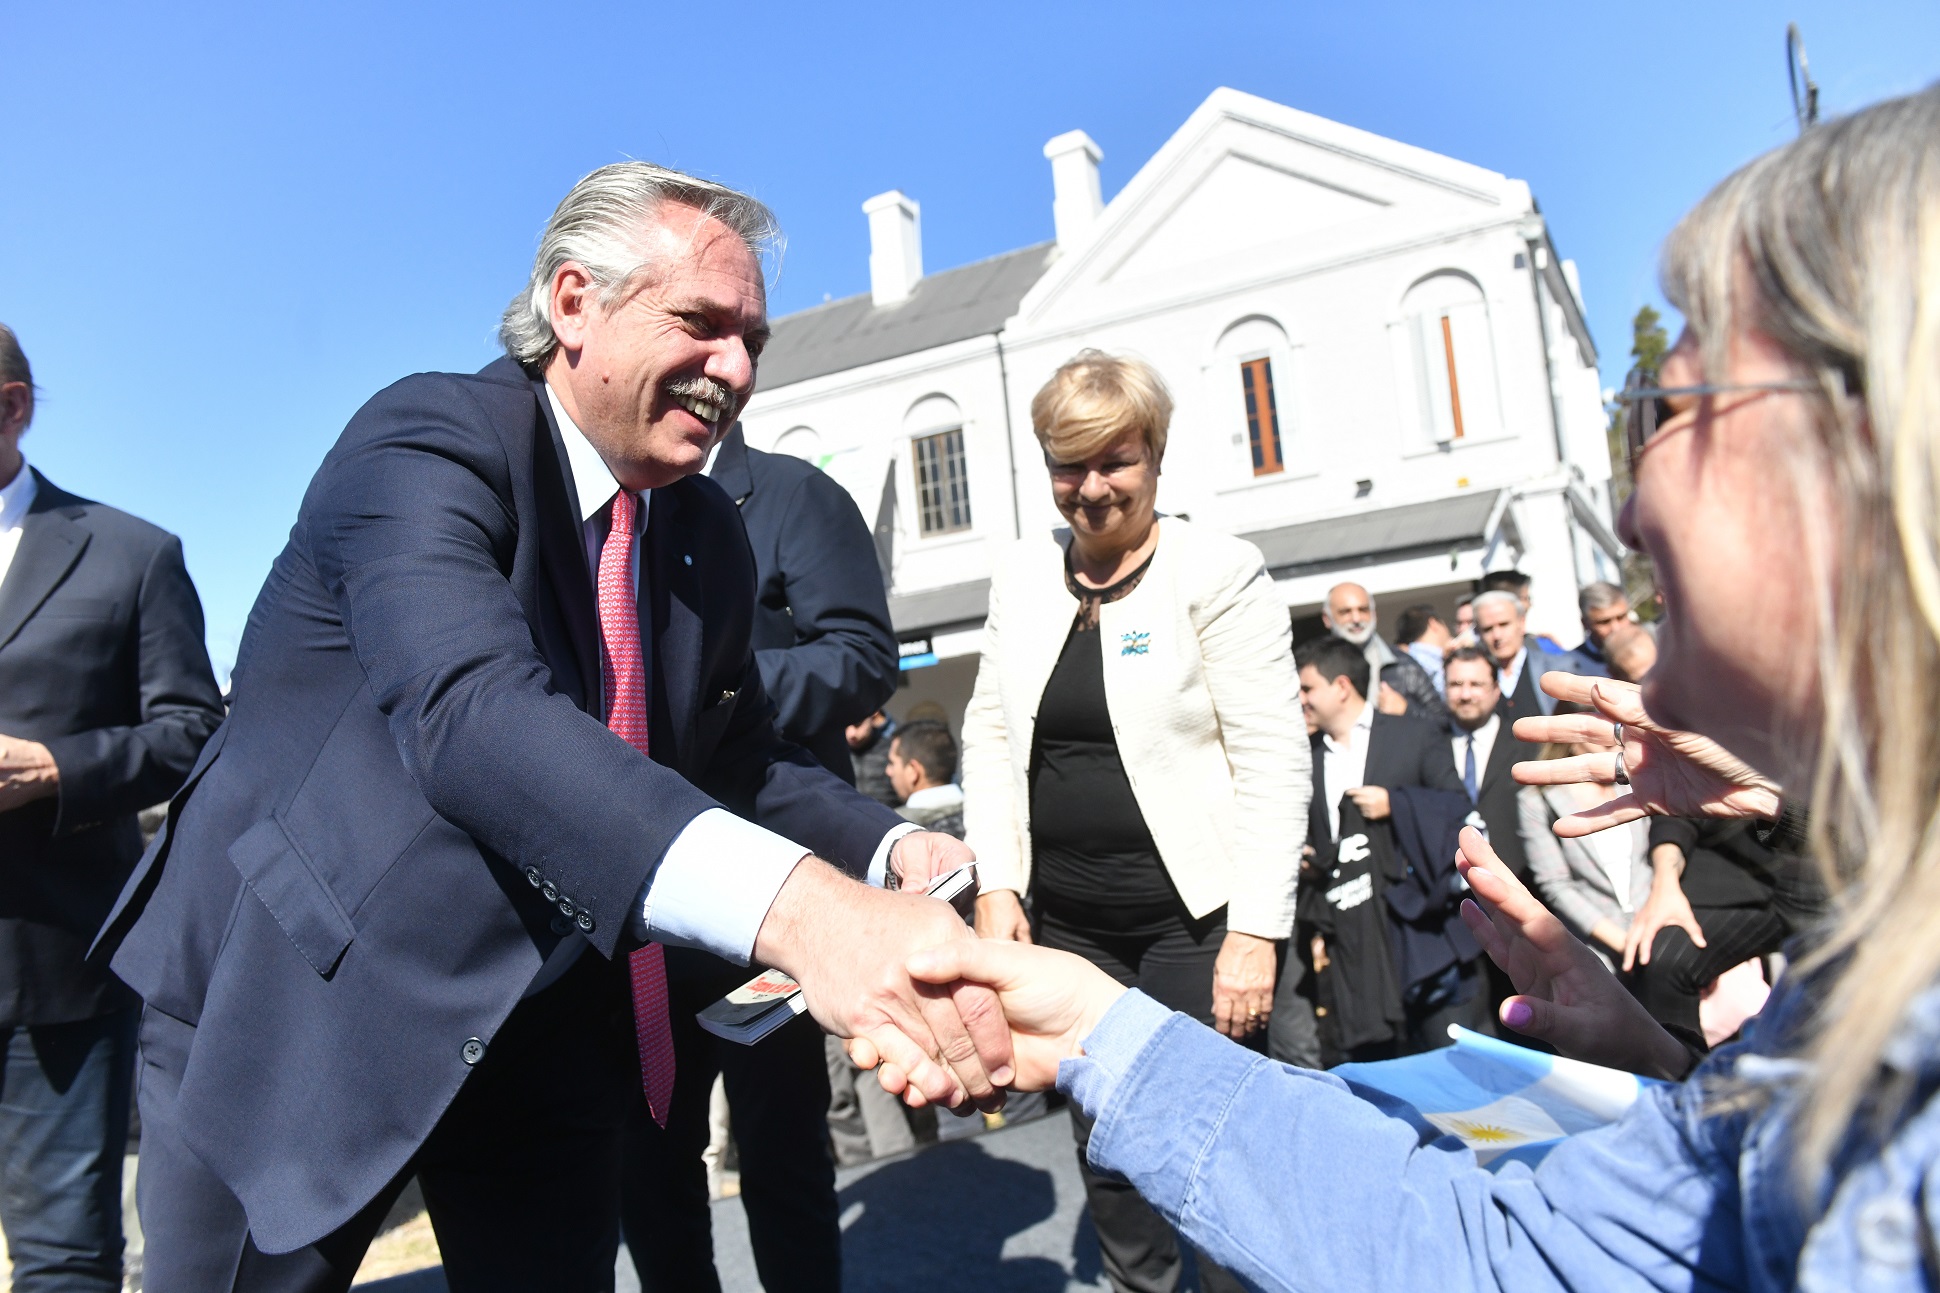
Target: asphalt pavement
column 1002, row 1212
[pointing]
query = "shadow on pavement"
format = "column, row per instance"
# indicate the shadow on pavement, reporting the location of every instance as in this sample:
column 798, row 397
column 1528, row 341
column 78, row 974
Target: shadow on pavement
column 939, row 1221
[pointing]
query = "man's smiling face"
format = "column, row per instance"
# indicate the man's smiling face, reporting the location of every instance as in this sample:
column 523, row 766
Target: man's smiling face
column 654, row 380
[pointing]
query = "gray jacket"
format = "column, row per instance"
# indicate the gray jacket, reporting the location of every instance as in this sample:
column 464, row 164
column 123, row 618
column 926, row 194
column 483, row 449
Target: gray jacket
column 1568, row 877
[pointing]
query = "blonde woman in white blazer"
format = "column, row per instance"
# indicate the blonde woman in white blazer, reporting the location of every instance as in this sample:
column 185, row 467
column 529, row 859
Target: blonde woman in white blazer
column 1134, row 758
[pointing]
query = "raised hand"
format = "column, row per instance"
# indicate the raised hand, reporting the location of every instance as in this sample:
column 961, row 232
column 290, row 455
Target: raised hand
column 1672, row 773
column 846, row 944
column 1566, row 996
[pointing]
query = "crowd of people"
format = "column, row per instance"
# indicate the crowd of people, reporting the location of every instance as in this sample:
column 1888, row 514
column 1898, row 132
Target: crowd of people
column 564, row 705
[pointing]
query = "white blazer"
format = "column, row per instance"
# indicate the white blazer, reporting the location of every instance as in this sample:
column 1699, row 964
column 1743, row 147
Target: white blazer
column 1204, row 702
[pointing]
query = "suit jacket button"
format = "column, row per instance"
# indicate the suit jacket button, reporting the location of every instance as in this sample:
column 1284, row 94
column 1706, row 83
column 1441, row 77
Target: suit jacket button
column 472, row 1051
column 550, row 890
column 566, row 908
column 532, row 874
column 585, row 922
column 561, row 926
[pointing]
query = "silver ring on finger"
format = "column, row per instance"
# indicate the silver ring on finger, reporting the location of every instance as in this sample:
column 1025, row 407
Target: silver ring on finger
column 1616, row 730
column 1623, row 773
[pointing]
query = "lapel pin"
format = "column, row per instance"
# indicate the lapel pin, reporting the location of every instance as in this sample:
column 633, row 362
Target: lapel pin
column 1134, row 643
column 688, row 559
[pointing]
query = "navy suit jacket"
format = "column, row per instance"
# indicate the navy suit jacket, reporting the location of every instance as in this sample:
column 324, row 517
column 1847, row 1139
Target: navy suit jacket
column 101, row 661
column 821, row 619
column 349, row 887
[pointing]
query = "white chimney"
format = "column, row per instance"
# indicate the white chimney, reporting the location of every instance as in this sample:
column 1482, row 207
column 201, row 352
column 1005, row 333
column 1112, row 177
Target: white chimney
column 895, row 246
column 1076, row 199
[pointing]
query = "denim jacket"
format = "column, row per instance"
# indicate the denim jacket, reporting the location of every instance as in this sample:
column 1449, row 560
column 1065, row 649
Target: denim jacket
column 1293, row 1180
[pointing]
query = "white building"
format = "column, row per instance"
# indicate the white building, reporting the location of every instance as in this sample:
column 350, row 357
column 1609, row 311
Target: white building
column 1381, row 369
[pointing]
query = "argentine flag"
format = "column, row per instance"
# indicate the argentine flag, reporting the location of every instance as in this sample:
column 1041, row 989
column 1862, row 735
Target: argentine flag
column 1505, row 1102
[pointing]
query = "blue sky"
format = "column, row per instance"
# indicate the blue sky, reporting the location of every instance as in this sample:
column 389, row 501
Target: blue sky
column 223, row 227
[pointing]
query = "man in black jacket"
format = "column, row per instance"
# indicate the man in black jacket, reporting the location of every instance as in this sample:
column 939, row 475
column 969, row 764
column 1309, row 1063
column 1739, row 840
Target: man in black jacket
column 827, row 658
column 106, row 697
column 1359, row 755
column 1484, row 748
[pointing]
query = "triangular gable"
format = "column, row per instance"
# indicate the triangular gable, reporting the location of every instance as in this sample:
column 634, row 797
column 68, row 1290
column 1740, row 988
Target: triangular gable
column 1248, row 187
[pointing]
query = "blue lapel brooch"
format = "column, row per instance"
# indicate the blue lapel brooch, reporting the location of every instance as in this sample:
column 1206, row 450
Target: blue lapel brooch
column 1134, row 643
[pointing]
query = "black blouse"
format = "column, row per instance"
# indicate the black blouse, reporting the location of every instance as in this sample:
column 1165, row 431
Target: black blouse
column 1095, row 861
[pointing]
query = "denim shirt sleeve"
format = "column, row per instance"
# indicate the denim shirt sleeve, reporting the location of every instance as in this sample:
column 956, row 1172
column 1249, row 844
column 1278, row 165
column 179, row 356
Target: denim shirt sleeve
column 1289, row 1178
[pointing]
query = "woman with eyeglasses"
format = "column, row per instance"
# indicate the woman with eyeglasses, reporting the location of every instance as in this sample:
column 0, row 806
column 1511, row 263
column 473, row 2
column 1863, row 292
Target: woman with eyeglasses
column 1790, row 499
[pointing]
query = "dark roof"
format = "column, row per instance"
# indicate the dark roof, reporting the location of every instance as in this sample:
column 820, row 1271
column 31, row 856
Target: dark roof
column 1441, row 525
column 929, row 609
column 969, row 301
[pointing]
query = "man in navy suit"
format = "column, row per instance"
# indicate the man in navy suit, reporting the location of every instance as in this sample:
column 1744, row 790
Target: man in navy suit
column 106, row 696
column 497, row 737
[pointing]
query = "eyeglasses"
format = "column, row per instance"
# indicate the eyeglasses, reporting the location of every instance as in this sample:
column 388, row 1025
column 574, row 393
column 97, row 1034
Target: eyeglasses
column 1646, row 408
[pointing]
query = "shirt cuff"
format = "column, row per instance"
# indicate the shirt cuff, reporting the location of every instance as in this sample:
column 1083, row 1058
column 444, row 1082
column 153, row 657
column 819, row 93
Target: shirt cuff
column 1110, row 1051
column 879, row 864
column 715, row 884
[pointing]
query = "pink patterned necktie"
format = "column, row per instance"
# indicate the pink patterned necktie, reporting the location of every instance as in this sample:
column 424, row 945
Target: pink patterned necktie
column 626, row 714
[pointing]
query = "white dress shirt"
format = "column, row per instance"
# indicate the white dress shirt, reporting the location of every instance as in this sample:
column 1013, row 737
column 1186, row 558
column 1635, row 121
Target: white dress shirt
column 1512, row 672
column 1484, row 738
column 1345, row 764
column 719, row 877
column 16, row 496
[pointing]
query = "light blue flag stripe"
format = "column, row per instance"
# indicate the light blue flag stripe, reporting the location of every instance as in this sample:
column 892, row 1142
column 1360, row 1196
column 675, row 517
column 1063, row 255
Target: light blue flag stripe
column 1506, row 1102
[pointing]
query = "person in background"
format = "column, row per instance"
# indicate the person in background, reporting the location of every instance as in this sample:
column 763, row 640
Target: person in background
column 1359, row 756
column 1485, row 749
column 922, row 768
column 1465, row 620
column 106, row 699
column 868, row 743
column 827, row 658
column 1594, row 883
column 1631, row 652
column 1424, row 635
column 1717, row 895
column 1500, row 625
column 1127, row 761
column 1402, row 685
column 1606, row 611
column 1515, row 581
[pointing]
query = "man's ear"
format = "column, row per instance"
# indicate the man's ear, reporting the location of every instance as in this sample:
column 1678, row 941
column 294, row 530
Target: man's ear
column 571, row 297
column 922, row 773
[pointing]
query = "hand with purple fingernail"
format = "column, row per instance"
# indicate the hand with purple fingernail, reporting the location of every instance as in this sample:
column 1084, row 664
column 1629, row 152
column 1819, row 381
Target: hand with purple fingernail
column 1565, row 994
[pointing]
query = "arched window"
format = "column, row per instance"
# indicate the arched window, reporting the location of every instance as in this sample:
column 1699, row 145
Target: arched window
column 1255, row 356
column 800, row 442
column 934, row 425
column 1453, row 357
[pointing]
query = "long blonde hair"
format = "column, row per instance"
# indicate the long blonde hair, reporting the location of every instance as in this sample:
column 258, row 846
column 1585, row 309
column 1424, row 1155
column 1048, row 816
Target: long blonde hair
column 1830, row 246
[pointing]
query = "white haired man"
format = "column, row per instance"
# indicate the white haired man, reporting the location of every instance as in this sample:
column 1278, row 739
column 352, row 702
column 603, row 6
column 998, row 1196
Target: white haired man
column 1404, row 686
column 1499, row 624
column 499, row 736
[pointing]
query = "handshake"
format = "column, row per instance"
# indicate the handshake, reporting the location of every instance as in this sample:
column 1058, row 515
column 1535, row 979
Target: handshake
column 945, row 1018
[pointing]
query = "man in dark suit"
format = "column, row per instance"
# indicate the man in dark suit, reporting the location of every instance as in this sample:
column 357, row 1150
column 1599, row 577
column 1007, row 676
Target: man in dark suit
column 1359, row 754
column 106, row 696
column 827, row 657
column 1484, row 749
column 1499, row 623
column 498, row 738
